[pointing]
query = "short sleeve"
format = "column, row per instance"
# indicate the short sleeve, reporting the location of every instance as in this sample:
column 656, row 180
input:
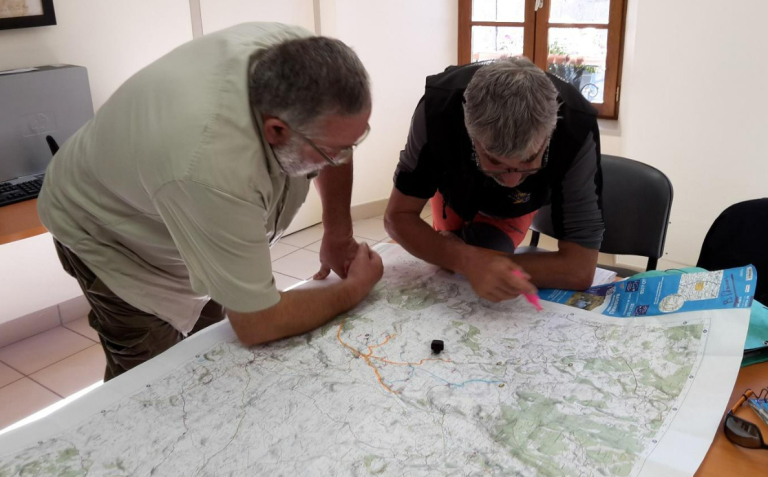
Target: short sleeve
column 415, row 175
column 582, row 214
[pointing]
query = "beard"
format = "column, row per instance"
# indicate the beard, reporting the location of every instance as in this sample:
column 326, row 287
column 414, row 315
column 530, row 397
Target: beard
column 291, row 161
column 502, row 184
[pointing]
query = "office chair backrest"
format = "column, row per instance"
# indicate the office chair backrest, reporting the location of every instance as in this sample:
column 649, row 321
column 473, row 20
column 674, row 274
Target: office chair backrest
column 637, row 200
column 738, row 237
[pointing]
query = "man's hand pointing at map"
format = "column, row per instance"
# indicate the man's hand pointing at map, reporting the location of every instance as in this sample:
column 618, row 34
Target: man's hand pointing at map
column 492, row 275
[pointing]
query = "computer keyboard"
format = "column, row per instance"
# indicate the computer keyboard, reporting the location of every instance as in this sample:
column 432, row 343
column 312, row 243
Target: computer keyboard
column 19, row 190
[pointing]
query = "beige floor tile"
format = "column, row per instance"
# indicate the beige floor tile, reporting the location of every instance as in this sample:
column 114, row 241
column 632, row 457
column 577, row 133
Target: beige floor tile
column 82, row 327
column 22, row 399
column 301, row 264
column 41, row 351
column 314, row 247
column 280, row 250
column 75, row 373
column 8, row 375
column 284, row 281
column 304, row 237
column 372, row 229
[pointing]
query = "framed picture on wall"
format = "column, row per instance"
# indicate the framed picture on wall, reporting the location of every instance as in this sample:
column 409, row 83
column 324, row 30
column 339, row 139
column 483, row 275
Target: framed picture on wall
column 26, row 13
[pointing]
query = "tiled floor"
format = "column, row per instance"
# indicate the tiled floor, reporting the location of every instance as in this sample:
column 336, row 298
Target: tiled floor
column 50, row 366
column 297, row 256
column 43, row 369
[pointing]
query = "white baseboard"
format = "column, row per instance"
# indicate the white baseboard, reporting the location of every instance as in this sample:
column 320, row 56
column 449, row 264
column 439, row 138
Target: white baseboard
column 24, row 327
column 27, row 326
column 74, row 309
column 369, row 209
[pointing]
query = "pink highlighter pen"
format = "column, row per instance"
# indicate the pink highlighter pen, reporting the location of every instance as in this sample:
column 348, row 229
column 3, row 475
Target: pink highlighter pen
column 532, row 298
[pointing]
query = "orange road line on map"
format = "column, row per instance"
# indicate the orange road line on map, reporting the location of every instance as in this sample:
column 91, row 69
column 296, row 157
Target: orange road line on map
column 379, row 345
column 367, row 357
column 410, row 364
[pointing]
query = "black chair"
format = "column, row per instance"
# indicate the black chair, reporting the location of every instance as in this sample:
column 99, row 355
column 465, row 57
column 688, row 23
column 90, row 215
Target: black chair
column 738, row 237
column 637, row 200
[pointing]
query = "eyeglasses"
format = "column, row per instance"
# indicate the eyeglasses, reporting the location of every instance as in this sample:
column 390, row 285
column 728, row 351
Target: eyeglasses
column 342, row 154
column 742, row 432
column 503, row 172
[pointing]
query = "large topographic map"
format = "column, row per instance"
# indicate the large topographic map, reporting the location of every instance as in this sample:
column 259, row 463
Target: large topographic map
column 564, row 392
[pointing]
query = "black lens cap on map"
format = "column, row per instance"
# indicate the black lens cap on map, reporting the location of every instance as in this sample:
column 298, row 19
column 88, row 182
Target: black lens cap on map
column 437, row 346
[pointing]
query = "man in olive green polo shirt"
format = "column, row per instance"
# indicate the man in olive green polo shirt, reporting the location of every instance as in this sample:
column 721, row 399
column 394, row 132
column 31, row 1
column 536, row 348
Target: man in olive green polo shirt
column 165, row 204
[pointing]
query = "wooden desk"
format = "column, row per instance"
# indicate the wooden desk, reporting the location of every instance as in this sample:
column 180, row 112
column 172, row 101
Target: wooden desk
column 19, row 221
column 726, row 459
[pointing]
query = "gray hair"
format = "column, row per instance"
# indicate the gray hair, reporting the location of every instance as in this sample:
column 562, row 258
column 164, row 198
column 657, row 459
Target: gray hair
column 510, row 107
column 303, row 80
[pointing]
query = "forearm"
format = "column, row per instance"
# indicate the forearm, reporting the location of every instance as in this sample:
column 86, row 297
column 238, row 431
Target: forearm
column 334, row 184
column 422, row 241
column 572, row 267
column 297, row 312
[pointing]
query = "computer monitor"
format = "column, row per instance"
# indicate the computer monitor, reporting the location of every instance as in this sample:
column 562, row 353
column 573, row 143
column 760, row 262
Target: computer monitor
column 49, row 101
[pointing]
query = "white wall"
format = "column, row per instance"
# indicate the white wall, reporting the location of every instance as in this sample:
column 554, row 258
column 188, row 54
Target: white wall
column 219, row 14
column 35, row 267
column 693, row 105
column 112, row 39
column 400, row 42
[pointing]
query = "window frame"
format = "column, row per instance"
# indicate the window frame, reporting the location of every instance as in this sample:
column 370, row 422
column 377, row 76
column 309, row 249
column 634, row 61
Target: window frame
column 536, row 27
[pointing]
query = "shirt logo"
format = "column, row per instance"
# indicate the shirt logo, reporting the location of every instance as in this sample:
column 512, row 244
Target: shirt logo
column 519, row 197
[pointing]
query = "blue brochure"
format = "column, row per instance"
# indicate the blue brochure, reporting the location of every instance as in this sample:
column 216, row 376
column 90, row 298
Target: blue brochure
column 649, row 296
column 760, row 405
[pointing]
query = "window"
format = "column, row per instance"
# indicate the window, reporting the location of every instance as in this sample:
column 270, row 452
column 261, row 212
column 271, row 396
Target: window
column 578, row 40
